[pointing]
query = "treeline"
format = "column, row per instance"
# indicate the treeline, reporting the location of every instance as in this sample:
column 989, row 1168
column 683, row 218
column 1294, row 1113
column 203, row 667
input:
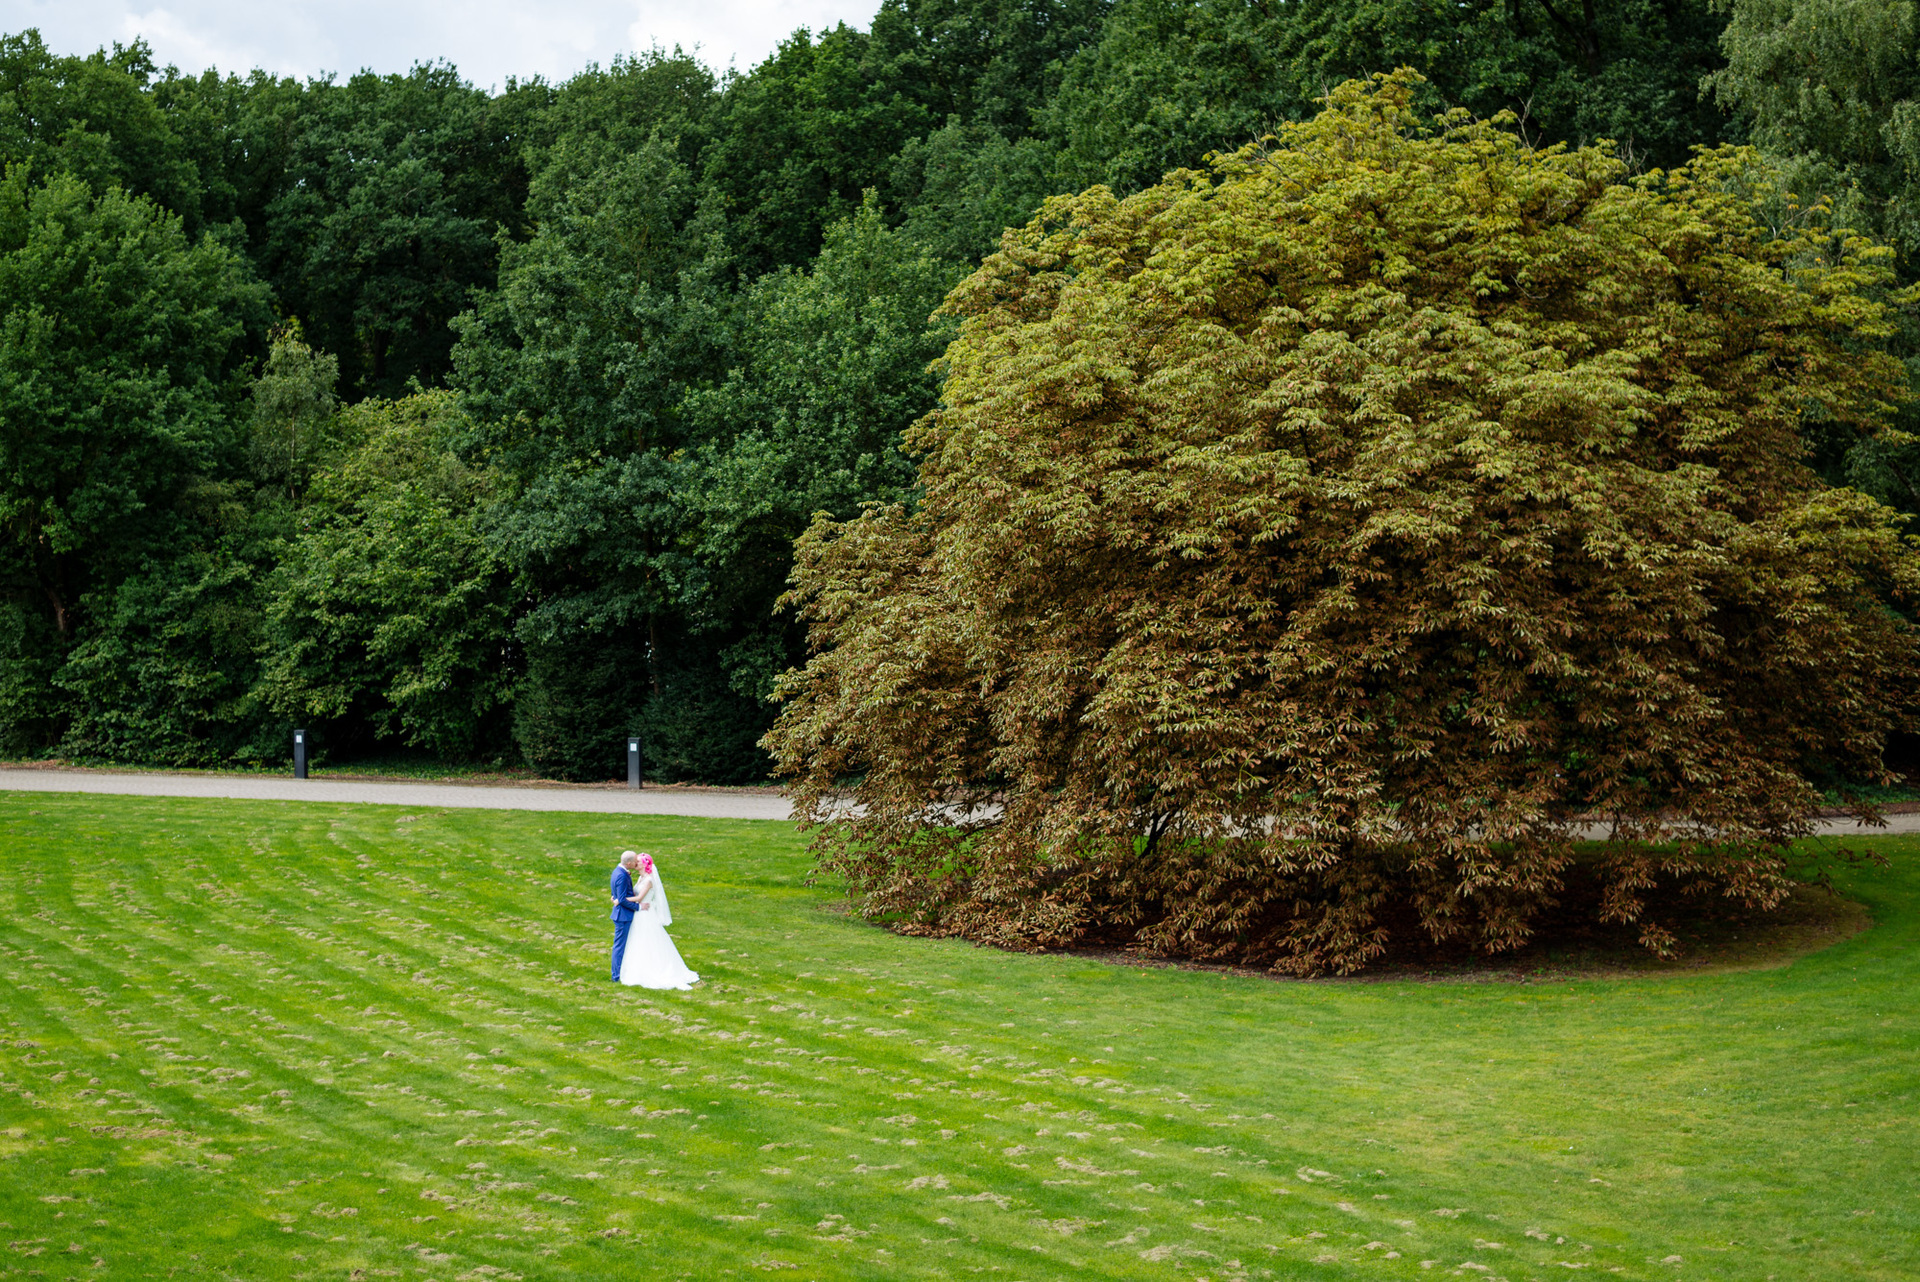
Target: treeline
column 481, row 424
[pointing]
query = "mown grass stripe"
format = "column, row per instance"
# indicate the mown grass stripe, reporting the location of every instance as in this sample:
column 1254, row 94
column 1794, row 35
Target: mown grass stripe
column 854, row 1104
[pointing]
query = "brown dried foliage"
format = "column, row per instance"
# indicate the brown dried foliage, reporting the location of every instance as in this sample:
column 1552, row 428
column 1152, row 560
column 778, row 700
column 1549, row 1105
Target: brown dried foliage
column 1323, row 541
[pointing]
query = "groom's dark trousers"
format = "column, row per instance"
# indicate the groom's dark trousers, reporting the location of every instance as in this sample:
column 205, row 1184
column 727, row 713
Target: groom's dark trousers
column 622, row 888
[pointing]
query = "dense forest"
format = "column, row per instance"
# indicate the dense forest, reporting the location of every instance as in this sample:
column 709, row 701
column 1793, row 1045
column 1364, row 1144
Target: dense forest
column 480, row 426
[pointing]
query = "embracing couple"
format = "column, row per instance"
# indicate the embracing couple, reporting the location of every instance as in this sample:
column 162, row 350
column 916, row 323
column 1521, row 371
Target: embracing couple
column 643, row 955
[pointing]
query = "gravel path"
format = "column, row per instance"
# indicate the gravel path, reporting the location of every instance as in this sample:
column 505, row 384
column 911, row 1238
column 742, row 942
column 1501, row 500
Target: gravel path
column 703, row 804
column 1896, row 823
column 699, row 803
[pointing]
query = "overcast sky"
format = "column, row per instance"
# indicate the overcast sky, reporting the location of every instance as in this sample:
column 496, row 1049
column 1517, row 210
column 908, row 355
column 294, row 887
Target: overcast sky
column 488, row 40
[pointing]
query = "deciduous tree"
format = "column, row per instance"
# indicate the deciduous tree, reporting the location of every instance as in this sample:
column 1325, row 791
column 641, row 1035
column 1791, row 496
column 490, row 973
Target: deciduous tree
column 121, row 372
column 388, row 610
column 384, row 217
column 1169, row 81
column 1832, row 88
column 1314, row 545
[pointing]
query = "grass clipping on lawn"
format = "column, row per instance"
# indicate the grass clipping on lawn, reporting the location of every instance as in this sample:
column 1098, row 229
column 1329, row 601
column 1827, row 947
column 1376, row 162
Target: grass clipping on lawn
column 284, row 1041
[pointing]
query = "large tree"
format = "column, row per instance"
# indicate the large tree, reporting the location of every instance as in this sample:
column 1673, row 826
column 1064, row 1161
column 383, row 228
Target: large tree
column 385, row 214
column 800, row 139
column 663, row 441
column 94, row 117
column 1317, row 543
column 1832, row 88
column 1170, row 80
column 121, row 371
column 1832, row 93
column 389, row 619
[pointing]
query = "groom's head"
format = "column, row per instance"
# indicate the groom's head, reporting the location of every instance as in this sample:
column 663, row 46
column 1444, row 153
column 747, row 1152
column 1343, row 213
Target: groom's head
column 630, row 861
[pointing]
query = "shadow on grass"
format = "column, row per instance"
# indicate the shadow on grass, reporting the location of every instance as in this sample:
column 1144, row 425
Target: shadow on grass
column 1712, row 934
column 1715, row 936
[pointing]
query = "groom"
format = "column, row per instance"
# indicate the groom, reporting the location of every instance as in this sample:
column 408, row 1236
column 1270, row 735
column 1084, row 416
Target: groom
column 624, row 903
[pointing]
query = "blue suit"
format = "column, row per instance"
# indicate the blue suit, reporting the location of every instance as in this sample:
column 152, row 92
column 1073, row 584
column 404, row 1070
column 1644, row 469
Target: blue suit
column 622, row 889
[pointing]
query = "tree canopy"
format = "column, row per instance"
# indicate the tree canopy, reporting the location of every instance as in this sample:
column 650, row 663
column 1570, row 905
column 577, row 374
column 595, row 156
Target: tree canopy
column 120, row 378
column 1312, row 546
column 1832, row 91
column 576, row 361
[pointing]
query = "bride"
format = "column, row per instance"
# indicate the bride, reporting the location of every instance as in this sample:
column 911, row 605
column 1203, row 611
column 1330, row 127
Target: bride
column 651, row 960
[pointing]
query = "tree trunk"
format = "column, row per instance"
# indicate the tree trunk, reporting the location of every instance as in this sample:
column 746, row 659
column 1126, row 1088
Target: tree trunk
column 1585, row 33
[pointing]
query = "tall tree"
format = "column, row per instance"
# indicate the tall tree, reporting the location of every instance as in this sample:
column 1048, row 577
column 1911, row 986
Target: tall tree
column 992, row 63
column 389, row 620
column 801, row 138
column 808, row 131
column 1626, row 70
column 94, row 117
column 833, row 366
column 238, row 133
column 121, row 375
column 962, row 185
column 666, row 440
column 1832, row 92
column 605, row 112
column 573, row 373
column 1170, row 81
column 1309, row 546
column 384, row 219
column 1833, row 89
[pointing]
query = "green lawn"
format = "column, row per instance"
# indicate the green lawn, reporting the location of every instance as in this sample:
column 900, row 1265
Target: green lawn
column 354, row 1041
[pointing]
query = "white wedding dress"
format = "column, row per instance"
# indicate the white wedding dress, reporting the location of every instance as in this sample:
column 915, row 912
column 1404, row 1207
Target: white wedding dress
column 651, row 960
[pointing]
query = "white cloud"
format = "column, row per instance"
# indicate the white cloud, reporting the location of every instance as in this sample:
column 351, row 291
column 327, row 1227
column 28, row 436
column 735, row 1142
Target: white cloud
column 743, row 31
column 489, row 40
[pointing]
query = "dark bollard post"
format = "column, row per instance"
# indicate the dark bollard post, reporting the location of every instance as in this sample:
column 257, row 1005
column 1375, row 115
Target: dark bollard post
column 633, row 763
column 299, row 754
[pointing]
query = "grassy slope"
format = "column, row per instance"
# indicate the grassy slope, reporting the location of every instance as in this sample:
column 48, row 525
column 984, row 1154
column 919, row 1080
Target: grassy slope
column 352, row 1038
